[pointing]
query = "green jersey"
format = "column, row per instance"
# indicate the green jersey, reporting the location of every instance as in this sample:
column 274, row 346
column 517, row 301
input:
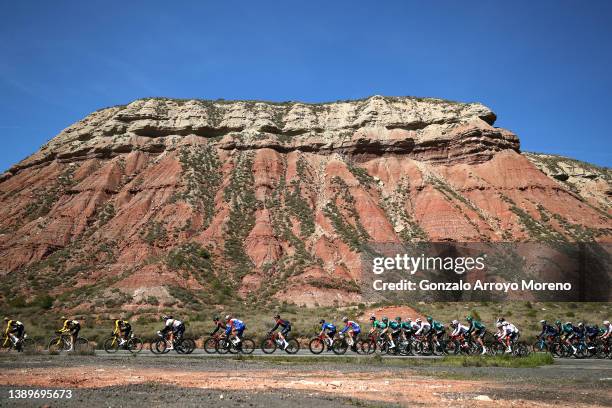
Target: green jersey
column 379, row 324
column 437, row 326
column 394, row 325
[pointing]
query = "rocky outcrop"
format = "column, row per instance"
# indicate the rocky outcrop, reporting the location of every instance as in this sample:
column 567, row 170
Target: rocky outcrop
column 167, row 201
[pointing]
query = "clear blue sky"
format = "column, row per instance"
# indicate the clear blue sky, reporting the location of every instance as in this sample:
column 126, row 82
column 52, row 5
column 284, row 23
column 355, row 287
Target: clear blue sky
column 544, row 68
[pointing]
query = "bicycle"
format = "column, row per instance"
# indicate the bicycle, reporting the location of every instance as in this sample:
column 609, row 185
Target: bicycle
column 320, row 343
column 113, row 343
column 184, row 345
column 273, row 341
column 62, row 341
column 226, row 345
column 25, row 344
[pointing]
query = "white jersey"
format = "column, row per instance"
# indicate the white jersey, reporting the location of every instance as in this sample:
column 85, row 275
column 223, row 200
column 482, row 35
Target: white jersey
column 424, row 328
column 608, row 330
column 460, row 329
column 173, row 323
column 510, row 328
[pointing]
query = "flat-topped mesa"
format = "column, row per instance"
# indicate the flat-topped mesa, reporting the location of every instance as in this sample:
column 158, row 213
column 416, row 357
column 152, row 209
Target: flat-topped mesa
column 426, row 129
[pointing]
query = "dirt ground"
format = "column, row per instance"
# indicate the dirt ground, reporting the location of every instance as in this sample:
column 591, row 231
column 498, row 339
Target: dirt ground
column 128, row 381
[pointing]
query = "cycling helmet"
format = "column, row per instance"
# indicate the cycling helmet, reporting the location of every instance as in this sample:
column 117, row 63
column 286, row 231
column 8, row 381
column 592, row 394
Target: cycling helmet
column 166, row 317
column 6, row 319
column 385, row 319
column 580, row 324
column 469, row 318
column 321, row 321
column 455, row 322
column 228, row 317
column 558, row 322
column 568, row 323
column 500, row 319
column 606, row 322
column 345, row 319
column 418, row 320
column 216, row 319
column 398, row 319
column 277, row 316
column 372, row 318
column 543, row 321
column 63, row 318
column 429, row 319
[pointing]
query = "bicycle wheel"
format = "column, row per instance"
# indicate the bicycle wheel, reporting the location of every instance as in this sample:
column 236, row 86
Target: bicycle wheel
column 57, row 344
column 111, row 345
column 222, row 346
column 134, row 345
column 247, row 346
column 292, row 346
column 367, row 346
column 339, row 347
column 316, row 346
column 268, row 346
column 81, row 344
column 210, row 345
column 189, row 345
column 161, row 346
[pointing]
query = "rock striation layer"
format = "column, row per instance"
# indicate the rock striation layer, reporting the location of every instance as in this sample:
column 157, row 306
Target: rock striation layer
column 186, row 202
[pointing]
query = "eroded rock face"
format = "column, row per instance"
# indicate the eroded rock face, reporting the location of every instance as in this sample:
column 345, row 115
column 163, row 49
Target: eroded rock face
column 190, row 201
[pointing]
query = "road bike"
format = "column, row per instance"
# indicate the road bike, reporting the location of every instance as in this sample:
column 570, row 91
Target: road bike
column 116, row 342
column 25, row 344
column 61, row 342
column 234, row 345
column 164, row 344
column 273, row 341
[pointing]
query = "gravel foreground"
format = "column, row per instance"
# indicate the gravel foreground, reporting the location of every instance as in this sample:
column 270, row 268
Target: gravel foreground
column 131, row 382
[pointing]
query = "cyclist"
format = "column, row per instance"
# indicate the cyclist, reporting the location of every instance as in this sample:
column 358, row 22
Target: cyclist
column 328, row 330
column 458, row 328
column 219, row 325
column 175, row 327
column 407, row 329
column 14, row 330
column 423, row 327
column 235, row 327
column 548, row 331
column 510, row 333
column 352, row 329
column 401, row 335
column 607, row 327
column 73, row 327
column 286, row 328
column 122, row 329
column 591, row 333
column 568, row 333
column 437, row 330
column 386, row 331
column 477, row 330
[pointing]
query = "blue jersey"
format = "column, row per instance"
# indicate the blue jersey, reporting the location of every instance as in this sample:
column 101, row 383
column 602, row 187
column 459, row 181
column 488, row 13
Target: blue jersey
column 236, row 324
column 329, row 327
column 351, row 325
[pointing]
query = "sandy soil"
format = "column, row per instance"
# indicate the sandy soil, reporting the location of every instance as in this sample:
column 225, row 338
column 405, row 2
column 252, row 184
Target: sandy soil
column 300, row 384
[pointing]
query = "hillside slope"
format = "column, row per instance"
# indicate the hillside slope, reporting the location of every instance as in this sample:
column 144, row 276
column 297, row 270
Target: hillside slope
column 163, row 202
